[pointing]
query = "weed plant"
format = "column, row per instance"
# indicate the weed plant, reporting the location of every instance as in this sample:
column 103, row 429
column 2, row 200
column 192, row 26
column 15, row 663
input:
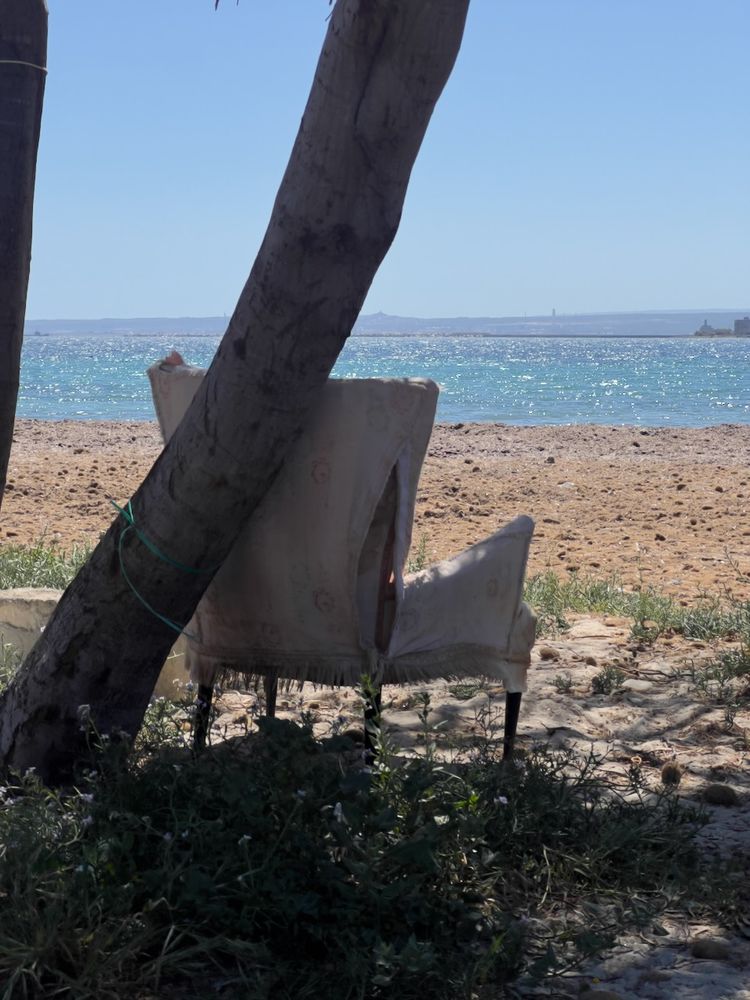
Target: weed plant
column 653, row 614
column 10, row 660
column 279, row 865
column 563, row 683
column 725, row 679
column 465, row 690
column 607, row 680
column 39, row 565
column 417, row 560
column 44, row 565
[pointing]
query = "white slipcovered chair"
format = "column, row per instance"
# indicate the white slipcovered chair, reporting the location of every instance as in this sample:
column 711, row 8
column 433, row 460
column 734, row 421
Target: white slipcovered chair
column 314, row 588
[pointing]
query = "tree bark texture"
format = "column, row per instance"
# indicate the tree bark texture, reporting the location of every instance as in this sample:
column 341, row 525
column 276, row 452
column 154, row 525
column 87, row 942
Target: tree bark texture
column 382, row 68
column 23, row 58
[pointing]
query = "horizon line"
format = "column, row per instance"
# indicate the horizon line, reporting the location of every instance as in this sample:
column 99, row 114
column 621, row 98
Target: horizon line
column 459, row 316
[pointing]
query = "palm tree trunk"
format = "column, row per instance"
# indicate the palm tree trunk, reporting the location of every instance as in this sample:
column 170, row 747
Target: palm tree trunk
column 23, row 58
column 380, row 72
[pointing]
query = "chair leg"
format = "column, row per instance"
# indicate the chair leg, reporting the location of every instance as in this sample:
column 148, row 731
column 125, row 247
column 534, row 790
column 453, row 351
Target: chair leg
column 271, row 688
column 373, row 706
column 202, row 716
column 512, row 708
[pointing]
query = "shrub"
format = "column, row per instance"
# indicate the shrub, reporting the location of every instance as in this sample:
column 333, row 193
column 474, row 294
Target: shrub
column 278, row 864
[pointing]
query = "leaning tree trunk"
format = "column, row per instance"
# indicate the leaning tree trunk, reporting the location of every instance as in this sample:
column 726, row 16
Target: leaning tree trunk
column 23, row 61
column 380, row 72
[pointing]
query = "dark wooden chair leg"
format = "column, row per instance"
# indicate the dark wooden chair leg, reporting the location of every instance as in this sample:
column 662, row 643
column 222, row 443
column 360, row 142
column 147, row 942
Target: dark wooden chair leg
column 373, row 704
column 202, row 716
column 271, row 688
column 512, row 708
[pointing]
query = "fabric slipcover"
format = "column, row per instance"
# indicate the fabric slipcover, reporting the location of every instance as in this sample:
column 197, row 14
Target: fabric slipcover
column 314, row 589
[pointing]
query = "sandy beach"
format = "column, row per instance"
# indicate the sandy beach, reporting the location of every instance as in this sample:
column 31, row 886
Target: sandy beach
column 666, row 507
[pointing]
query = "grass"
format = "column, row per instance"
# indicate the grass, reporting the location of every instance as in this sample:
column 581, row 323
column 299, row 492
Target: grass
column 279, row 865
column 725, row 680
column 607, row 680
column 465, row 690
column 39, row 565
column 9, row 662
column 418, row 559
column 653, row 614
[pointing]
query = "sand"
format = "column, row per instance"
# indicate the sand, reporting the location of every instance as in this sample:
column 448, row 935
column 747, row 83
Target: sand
column 666, row 507
column 653, row 507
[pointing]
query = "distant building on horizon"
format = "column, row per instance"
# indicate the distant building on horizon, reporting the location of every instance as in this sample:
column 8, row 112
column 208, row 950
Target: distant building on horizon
column 741, row 329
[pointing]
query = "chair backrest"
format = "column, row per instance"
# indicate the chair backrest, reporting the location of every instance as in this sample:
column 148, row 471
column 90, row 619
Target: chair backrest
column 312, row 569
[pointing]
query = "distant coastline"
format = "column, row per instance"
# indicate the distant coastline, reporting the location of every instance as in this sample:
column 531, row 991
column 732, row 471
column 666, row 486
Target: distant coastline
column 654, row 324
column 438, row 335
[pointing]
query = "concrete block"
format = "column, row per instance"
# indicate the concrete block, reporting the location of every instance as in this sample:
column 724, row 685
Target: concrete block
column 25, row 611
column 174, row 674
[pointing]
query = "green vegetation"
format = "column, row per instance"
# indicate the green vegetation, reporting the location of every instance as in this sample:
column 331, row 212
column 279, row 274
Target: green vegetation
column 653, row 614
column 279, row 865
column 725, row 679
column 465, row 690
column 563, row 683
column 417, row 560
column 607, row 680
column 39, row 565
column 9, row 662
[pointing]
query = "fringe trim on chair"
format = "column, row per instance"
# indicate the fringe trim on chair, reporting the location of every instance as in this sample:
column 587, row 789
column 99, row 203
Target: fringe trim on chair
column 447, row 663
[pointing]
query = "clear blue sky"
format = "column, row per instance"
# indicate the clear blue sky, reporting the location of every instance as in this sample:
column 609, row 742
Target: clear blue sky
column 586, row 155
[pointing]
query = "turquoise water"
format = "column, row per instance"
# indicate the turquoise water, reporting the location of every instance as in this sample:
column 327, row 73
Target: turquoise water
column 539, row 380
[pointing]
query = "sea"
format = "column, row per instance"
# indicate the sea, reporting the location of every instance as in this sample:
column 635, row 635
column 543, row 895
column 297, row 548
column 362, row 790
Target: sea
column 649, row 381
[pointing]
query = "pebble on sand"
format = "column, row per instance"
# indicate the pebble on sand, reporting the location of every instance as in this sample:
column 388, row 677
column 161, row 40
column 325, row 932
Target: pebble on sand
column 600, row 995
column 548, row 653
column 671, row 773
column 717, row 794
column 710, row 948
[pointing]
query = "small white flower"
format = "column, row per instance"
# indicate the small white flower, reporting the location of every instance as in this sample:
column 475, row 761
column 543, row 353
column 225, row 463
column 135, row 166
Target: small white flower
column 167, row 836
column 500, row 800
column 338, row 813
column 87, row 821
column 185, row 834
column 300, row 793
column 87, row 797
